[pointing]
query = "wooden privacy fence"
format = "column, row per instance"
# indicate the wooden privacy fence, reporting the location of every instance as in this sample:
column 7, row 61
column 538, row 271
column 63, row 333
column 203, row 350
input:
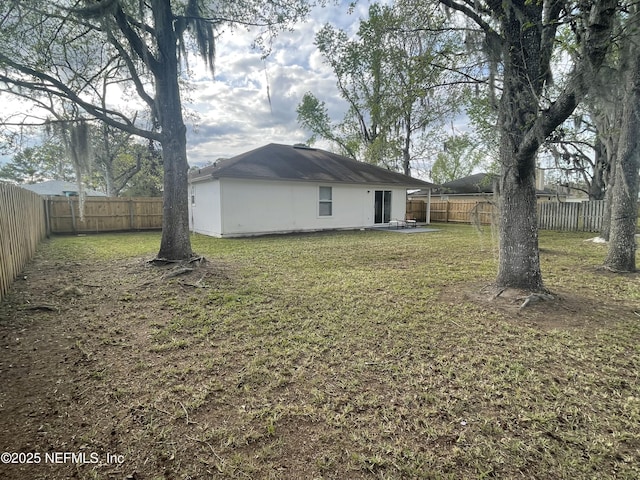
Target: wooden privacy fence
column 462, row 211
column 417, row 210
column 569, row 216
column 22, row 227
column 103, row 214
column 583, row 216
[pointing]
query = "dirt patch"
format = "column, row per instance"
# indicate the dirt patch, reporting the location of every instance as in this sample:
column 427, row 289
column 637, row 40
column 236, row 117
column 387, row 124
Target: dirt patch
column 79, row 370
column 556, row 310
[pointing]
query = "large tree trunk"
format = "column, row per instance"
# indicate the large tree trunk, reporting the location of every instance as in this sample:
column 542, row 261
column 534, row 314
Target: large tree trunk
column 108, row 178
column 597, row 186
column 406, row 147
column 624, row 205
column 175, row 243
column 519, row 261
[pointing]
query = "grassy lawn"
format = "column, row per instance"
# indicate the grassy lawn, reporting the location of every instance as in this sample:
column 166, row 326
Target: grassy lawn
column 342, row 355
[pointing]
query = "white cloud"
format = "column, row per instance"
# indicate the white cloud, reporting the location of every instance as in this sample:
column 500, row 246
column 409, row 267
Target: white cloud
column 252, row 101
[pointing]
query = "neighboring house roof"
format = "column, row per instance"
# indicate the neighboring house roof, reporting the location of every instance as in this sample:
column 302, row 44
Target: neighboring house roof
column 286, row 162
column 479, row 183
column 473, row 184
column 61, row 188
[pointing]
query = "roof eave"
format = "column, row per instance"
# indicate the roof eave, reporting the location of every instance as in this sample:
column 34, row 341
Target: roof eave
column 316, row 180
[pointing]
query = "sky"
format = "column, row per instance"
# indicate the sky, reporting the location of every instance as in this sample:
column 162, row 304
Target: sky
column 233, row 110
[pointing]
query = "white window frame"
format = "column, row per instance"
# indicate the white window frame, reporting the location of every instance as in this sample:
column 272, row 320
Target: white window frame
column 324, row 201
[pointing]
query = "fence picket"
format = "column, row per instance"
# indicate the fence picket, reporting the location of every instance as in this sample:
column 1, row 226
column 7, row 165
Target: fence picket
column 592, row 216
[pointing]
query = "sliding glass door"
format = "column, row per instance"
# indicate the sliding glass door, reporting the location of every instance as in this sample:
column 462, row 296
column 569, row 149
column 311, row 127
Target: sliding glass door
column 382, row 206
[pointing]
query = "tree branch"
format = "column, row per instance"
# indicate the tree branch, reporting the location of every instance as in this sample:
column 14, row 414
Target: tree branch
column 52, row 86
column 470, row 13
column 135, row 42
column 596, row 44
column 135, row 77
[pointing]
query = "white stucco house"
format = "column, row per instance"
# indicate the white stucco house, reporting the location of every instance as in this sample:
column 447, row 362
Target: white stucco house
column 282, row 188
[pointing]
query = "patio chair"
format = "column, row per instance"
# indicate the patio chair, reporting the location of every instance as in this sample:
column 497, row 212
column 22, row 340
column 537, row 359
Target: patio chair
column 410, row 221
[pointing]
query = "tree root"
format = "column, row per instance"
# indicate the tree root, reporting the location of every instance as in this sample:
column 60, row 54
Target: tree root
column 498, row 293
column 178, row 271
column 198, row 284
column 197, row 259
column 535, row 297
column 180, row 267
column 161, row 262
column 42, row 306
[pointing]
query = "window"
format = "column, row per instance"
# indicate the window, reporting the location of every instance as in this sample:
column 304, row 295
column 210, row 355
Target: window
column 193, row 196
column 325, row 207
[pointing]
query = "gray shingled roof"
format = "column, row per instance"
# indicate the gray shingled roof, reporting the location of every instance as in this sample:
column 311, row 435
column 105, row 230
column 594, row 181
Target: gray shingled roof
column 477, row 183
column 474, row 184
column 59, row 187
column 286, row 162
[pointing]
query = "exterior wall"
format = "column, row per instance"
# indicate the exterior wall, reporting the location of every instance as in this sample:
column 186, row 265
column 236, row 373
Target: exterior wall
column 205, row 207
column 253, row 207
